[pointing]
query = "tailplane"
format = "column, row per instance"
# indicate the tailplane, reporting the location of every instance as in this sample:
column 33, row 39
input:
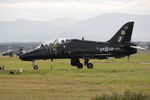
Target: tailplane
column 124, row 34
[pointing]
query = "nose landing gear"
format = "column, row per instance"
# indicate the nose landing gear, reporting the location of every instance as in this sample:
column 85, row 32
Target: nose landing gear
column 35, row 67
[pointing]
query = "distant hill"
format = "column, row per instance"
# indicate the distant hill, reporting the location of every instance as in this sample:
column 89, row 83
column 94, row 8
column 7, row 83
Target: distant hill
column 104, row 26
column 101, row 28
column 28, row 30
column 64, row 21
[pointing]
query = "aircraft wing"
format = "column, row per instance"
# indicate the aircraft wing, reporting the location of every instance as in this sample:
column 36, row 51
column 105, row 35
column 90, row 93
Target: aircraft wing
column 81, row 52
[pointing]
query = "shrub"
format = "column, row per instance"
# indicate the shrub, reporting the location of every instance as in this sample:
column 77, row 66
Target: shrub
column 126, row 96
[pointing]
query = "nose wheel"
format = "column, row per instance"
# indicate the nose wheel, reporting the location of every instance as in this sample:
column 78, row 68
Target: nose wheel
column 35, row 67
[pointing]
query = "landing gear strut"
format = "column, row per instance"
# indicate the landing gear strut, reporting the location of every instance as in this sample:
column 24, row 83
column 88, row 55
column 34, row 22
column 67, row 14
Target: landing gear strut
column 128, row 58
column 35, row 67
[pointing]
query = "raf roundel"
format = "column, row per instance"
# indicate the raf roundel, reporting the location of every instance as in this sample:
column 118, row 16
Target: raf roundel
column 106, row 49
column 123, row 32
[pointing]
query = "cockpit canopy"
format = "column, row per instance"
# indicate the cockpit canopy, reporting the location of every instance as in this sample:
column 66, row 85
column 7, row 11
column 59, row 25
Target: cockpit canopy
column 53, row 43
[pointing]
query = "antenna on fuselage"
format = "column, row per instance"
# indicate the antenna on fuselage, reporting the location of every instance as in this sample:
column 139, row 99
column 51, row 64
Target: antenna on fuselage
column 82, row 38
column 128, row 58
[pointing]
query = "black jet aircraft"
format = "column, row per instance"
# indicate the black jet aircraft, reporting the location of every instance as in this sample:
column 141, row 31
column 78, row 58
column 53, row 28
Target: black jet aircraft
column 118, row 46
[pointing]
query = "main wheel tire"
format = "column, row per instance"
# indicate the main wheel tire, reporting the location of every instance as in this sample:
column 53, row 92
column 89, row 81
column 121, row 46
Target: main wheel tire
column 90, row 65
column 80, row 66
column 35, row 67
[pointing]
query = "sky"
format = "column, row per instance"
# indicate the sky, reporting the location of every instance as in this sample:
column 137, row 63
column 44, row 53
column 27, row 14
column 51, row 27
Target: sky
column 81, row 9
column 46, row 10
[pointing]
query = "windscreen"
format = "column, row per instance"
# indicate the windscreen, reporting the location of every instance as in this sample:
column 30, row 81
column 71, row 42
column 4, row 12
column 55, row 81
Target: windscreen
column 53, row 43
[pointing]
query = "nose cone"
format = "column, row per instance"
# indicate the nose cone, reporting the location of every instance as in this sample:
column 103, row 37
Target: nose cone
column 26, row 56
column 35, row 54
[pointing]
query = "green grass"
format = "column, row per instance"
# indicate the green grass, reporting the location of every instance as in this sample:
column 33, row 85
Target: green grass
column 65, row 82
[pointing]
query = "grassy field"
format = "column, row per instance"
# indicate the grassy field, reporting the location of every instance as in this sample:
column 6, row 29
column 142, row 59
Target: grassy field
column 65, row 82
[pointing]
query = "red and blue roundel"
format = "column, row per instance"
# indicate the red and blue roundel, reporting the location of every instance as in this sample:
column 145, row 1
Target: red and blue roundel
column 106, row 49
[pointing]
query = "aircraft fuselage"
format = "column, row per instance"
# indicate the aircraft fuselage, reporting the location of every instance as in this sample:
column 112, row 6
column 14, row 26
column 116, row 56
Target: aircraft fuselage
column 80, row 49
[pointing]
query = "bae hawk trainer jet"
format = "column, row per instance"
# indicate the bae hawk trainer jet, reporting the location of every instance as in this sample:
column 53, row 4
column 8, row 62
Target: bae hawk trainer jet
column 118, row 46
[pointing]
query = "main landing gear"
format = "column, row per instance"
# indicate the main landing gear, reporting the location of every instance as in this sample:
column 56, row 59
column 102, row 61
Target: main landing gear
column 76, row 62
column 90, row 65
column 86, row 63
column 35, row 67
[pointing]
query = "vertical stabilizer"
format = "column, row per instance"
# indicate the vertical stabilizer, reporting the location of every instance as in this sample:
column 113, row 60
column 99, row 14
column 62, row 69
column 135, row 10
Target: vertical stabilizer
column 124, row 34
